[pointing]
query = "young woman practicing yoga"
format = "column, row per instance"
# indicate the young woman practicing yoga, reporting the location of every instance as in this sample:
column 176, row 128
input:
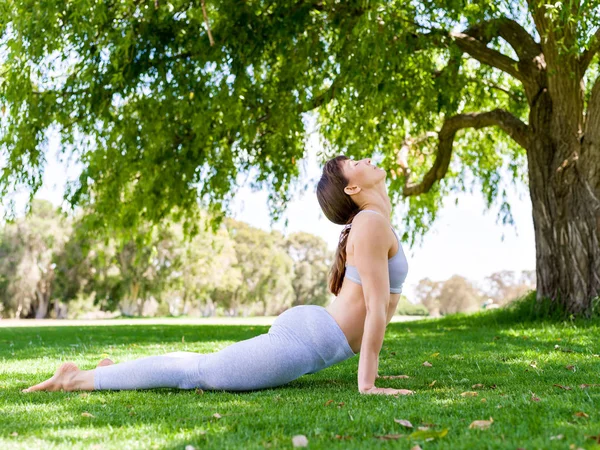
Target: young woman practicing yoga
column 366, row 277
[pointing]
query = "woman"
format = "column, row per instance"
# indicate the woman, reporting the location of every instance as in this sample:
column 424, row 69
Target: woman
column 366, row 277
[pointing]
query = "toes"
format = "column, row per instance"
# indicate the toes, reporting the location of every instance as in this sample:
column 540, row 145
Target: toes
column 55, row 383
column 105, row 362
column 48, row 385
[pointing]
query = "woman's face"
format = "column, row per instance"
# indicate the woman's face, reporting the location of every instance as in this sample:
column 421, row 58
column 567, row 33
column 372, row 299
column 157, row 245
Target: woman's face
column 362, row 174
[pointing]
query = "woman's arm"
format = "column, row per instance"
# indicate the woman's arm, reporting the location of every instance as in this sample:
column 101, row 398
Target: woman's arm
column 370, row 256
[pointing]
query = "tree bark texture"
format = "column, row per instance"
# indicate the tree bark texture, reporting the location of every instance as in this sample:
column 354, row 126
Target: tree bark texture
column 562, row 142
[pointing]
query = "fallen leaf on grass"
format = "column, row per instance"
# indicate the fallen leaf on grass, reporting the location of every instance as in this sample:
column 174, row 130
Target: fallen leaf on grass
column 570, row 367
column 87, row 414
column 558, row 436
column 483, row 400
column 328, row 402
column 299, row 441
column 435, row 355
column 217, row 415
column 427, row 364
column 477, row 386
column 432, row 383
column 533, row 364
column 585, row 386
column 481, row 424
column 388, row 437
column 429, row 434
column 566, row 388
column 422, row 428
column 340, row 437
column 581, row 414
column 469, row 394
column 534, row 398
column 339, row 405
column 199, row 391
column 393, row 377
column 404, row 423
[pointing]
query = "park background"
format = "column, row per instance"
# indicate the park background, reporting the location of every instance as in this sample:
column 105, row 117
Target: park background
column 468, row 259
column 491, row 104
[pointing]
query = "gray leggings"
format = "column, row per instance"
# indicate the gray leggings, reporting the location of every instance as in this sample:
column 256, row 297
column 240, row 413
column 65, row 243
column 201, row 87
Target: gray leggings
column 304, row 339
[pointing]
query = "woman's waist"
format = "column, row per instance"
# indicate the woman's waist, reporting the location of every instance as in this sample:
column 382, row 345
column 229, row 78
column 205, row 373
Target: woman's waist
column 313, row 325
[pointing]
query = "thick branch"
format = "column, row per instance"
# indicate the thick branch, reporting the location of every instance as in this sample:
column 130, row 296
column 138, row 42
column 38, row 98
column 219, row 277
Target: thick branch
column 519, row 39
column 479, row 50
column 514, row 127
column 592, row 119
column 588, row 54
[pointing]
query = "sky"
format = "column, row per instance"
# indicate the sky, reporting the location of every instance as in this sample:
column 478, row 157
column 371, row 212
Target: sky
column 465, row 239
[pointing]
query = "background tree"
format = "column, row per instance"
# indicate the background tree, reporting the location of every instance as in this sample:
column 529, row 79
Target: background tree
column 205, row 268
column 267, row 270
column 27, row 267
column 311, row 265
column 427, row 292
column 459, row 295
column 507, row 285
column 162, row 116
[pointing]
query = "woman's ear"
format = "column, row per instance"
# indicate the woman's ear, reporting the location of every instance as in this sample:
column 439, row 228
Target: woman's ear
column 351, row 190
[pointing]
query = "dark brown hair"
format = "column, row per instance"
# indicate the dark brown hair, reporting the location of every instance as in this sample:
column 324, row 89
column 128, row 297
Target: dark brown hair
column 340, row 209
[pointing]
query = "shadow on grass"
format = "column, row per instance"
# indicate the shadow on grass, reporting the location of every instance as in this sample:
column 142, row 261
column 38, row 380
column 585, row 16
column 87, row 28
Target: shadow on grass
column 36, row 342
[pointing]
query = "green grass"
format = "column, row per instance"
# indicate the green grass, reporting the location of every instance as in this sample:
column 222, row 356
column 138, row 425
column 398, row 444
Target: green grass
column 491, row 348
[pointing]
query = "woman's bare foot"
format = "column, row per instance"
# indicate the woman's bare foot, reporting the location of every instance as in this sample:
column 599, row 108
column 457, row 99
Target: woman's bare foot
column 68, row 377
column 105, row 362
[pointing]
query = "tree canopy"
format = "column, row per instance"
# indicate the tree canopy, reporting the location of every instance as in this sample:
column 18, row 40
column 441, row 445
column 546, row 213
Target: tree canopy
column 159, row 117
column 165, row 106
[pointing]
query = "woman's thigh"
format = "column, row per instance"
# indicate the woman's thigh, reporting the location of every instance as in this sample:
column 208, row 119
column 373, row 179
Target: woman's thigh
column 263, row 361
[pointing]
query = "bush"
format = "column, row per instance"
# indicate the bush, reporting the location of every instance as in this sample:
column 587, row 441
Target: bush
column 406, row 308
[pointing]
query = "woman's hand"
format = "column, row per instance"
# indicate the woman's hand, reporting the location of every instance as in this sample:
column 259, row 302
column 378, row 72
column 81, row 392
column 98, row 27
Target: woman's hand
column 385, row 391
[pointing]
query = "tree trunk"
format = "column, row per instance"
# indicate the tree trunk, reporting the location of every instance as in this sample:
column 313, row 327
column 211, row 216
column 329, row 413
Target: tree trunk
column 42, row 306
column 564, row 183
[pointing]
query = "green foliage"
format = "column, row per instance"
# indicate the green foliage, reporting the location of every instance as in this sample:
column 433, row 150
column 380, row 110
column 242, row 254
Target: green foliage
column 164, row 123
column 27, row 267
column 406, row 308
column 47, row 259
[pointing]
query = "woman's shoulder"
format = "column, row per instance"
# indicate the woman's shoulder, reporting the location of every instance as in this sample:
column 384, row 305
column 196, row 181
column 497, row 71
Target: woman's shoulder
column 366, row 225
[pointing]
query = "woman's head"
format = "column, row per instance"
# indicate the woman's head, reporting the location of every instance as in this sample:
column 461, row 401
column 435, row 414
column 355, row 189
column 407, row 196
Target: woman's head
column 344, row 187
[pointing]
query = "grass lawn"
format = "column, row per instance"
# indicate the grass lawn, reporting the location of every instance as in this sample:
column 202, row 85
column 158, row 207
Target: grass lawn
column 527, row 377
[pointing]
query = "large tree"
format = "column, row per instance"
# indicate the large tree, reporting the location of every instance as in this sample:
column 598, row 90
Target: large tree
column 164, row 103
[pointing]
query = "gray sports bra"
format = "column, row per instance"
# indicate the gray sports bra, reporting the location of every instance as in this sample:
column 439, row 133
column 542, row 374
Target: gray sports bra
column 397, row 267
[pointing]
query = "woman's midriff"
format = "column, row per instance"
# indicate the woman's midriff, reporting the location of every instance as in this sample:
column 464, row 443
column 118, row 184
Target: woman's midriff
column 349, row 311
